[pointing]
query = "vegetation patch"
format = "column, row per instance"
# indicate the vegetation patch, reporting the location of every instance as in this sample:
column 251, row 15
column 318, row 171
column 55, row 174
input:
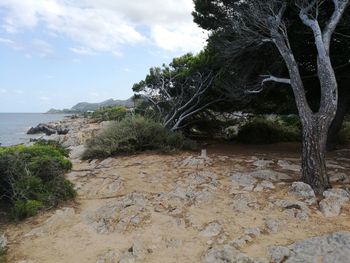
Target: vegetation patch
column 135, row 134
column 32, row 178
column 115, row 113
column 270, row 130
column 344, row 134
column 2, row 256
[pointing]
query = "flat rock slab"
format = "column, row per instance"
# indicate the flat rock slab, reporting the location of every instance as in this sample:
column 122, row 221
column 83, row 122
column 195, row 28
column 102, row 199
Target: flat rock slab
column 270, row 175
column 228, row 254
column 333, row 248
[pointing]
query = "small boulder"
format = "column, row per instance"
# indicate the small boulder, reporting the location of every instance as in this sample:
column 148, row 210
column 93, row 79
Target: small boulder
column 334, row 200
column 211, row 230
column 273, row 225
column 252, row 231
column 228, row 254
column 278, row 254
column 3, row 242
column 331, row 206
column 341, row 194
column 303, row 191
column 242, row 202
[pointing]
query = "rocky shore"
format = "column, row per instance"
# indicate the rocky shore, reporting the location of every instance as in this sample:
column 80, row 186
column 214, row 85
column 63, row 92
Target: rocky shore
column 229, row 206
column 71, row 132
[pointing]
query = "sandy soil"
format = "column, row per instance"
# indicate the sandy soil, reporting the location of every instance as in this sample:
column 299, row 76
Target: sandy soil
column 172, row 205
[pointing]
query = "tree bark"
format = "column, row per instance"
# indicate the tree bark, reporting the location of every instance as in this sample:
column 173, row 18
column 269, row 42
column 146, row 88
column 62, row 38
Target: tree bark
column 313, row 153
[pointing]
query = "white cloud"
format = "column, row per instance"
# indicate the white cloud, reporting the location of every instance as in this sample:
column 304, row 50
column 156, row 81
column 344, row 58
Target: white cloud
column 42, row 48
column 3, row 91
column 44, row 98
column 11, row 43
column 18, row 92
column 106, row 26
column 183, row 38
column 36, row 47
column 81, row 50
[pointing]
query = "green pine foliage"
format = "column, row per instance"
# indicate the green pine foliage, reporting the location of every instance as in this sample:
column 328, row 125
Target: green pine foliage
column 32, row 178
column 115, row 113
column 265, row 131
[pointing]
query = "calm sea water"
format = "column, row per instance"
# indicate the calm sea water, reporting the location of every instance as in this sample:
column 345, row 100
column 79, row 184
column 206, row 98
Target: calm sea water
column 14, row 126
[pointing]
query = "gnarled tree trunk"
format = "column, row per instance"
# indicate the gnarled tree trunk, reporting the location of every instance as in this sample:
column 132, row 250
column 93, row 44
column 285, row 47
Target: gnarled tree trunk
column 313, row 153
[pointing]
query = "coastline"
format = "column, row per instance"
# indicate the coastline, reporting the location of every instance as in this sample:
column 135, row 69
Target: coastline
column 14, row 126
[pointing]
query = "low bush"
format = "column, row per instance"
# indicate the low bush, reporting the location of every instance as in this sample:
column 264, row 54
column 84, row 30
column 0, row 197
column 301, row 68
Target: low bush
column 54, row 144
column 115, row 113
column 265, row 131
column 344, row 134
column 2, row 256
column 32, row 178
column 134, row 134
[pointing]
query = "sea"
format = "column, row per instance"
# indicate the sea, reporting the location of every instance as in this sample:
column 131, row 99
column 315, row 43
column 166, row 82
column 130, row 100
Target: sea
column 14, row 126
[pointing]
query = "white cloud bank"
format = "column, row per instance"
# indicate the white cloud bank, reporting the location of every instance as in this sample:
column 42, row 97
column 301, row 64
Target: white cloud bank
column 108, row 25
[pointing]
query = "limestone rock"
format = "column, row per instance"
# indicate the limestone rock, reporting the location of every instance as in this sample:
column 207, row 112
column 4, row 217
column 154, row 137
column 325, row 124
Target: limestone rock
column 273, row 225
column 262, row 163
column 108, row 257
column 243, row 180
column 341, row 194
column 241, row 241
column 333, row 248
column 242, row 202
column 270, row 175
column 65, row 216
column 195, row 161
column 119, row 215
column 303, row 191
column 334, row 199
column 331, row 206
column 212, row 229
column 278, row 254
column 228, row 254
column 3, row 242
column 252, row 231
column 296, row 209
column 76, row 152
column 286, row 165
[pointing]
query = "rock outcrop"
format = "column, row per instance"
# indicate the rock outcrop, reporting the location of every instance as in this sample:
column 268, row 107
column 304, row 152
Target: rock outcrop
column 333, row 248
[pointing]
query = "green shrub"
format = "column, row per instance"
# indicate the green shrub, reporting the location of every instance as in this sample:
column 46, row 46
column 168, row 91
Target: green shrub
column 344, row 134
column 32, row 178
column 134, row 134
column 54, row 144
column 264, row 131
column 2, row 256
column 115, row 113
column 23, row 209
column 291, row 121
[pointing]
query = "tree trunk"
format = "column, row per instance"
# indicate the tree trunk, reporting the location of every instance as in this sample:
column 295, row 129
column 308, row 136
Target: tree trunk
column 313, row 154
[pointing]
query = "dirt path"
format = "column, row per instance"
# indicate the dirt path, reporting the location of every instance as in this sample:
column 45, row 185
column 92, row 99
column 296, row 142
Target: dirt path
column 173, row 208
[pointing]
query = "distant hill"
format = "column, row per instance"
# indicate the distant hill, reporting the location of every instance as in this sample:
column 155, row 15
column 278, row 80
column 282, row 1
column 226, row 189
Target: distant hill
column 86, row 106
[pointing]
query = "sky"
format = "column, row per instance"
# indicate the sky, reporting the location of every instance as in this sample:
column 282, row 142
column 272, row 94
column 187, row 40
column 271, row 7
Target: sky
column 56, row 53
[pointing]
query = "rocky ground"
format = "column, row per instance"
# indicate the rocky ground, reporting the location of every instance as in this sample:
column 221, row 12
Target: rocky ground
column 236, row 205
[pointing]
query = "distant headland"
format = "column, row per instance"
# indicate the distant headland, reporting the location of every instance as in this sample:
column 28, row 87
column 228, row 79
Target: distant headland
column 86, row 106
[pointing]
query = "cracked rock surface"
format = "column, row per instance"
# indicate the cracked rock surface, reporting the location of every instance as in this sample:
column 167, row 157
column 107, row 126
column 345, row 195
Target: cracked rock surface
column 239, row 206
